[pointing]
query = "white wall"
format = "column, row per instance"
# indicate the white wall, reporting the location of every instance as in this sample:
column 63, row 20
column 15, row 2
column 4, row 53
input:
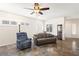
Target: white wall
column 54, row 22
column 35, row 26
column 69, row 27
column 8, row 32
column 8, row 35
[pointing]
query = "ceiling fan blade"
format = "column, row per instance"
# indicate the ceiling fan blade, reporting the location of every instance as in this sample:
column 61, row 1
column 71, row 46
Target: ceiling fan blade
column 44, row 9
column 41, row 13
column 29, row 8
column 32, row 13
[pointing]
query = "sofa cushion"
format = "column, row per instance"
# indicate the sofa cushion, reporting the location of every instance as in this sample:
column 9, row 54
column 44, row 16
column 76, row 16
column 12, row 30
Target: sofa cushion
column 49, row 35
column 44, row 35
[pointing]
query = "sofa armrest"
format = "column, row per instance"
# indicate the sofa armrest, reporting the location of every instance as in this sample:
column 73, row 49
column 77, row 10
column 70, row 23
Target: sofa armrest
column 35, row 39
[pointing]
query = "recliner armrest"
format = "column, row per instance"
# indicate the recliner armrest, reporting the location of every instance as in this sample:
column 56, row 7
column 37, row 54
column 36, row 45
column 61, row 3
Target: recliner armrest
column 30, row 38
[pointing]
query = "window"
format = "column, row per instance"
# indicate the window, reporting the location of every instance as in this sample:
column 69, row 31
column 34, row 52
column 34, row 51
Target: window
column 13, row 22
column 74, row 29
column 22, row 23
column 5, row 22
column 27, row 23
column 49, row 27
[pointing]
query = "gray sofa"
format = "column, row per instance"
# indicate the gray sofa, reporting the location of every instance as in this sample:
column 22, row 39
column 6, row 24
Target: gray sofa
column 44, row 38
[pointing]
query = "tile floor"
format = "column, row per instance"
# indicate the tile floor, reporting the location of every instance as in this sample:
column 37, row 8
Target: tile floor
column 68, row 47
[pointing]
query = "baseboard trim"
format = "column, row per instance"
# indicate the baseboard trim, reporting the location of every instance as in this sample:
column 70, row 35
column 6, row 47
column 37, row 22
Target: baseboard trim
column 8, row 44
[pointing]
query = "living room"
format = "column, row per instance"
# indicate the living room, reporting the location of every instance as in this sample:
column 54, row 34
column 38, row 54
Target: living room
column 57, row 26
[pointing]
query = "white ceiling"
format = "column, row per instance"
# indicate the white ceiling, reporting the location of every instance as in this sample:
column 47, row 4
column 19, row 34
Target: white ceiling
column 56, row 9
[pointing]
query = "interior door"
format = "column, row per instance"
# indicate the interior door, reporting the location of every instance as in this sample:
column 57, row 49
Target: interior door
column 59, row 31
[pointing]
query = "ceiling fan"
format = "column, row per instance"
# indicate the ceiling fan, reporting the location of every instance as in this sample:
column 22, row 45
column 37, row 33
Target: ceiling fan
column 37, row 9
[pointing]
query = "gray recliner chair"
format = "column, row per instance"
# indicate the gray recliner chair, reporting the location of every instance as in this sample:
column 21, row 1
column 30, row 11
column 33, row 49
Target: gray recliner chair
column 23, row 41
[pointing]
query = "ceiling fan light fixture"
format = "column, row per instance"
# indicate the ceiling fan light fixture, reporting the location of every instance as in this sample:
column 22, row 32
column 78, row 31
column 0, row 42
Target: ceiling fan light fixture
column 36, row 11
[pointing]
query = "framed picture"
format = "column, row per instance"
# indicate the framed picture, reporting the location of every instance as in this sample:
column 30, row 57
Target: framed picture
column 49, row 27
